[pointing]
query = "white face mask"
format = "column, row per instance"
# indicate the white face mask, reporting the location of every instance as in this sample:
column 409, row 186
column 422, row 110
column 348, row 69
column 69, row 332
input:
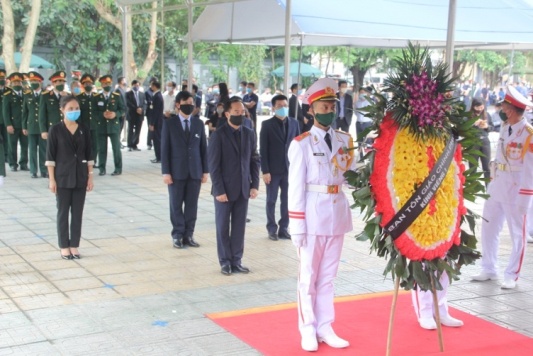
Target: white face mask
column 344, row 90
column 170, row 89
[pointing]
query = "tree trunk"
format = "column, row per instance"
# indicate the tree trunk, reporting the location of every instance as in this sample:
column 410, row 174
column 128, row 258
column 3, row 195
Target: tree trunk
column 29, row 38
column 151, row 56
column 8, row 39
column 358, row 76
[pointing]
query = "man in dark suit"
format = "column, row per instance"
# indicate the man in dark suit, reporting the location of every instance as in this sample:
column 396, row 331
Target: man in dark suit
column 275, row 137
column 295, row 109
column 234, row 168
column 156, row 118
column 184, row 167
column 344, row 107
column 136, row 106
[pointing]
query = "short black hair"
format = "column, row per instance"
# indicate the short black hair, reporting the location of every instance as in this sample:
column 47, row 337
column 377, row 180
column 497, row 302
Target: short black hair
column 120, row 79
column 294, row 86
column 341, row 82
column 233, row 99
column 252, row 84
column 182, row 96
column 67, row 99
column 156, row 84
column 195, row 88
column 134, row 81
column 278, row 97
column 244, row 82
column 173, row 84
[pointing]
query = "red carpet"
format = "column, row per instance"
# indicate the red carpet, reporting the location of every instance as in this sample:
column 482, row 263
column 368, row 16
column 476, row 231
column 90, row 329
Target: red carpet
column 363, row 320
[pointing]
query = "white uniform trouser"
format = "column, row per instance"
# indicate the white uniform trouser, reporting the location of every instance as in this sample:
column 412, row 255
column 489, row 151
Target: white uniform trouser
column 423, row 300
column 319, row 261
column 494, row 214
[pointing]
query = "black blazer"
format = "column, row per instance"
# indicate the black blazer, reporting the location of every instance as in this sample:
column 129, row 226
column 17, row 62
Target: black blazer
column 70, row 154
column 182, row 158
column 233, row 171
column 274, row 146
column 131, row 105
column 155, row 114
column 348, row 108
column 293, row 104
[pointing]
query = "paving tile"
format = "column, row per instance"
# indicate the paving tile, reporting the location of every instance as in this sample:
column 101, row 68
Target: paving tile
column 23, row 290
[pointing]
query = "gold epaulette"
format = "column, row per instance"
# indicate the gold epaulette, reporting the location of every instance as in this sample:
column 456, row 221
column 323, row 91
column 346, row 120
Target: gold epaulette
column 27, row 91
column 96, row 94
column 302, row 136
column 115, row 93
column 529, row 129
column 7, row 92
column 45, row 92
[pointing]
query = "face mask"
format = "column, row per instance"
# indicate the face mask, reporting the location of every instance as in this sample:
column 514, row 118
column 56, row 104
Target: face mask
column 248, row 90
column 503, row 116
column 88, row 88
column 107, row 88
column 60, row 87
column 17, row 87
column 220, row 111
column 236, row 119
column 2, row 82
column 135, row 88
column 240, row 88
column 216, row 91
column 76, row 90
column 35, row 86
column 169, row 89
column 282, row 112
column 325, row 119
column 187, row 109
column 72, row 115
column 344, row 90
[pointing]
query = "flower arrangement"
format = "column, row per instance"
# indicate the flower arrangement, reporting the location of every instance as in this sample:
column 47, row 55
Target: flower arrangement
column 414, row 128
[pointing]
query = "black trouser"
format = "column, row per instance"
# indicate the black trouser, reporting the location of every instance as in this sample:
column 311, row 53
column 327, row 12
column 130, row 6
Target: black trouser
column 14, row 139
column 3, row 132
column 277, row 182
column 69, row 202
column 94, row 146
column 37, row 153
column 2, row 156
column 157, row 139
column 485, row 158
column 149, row 138
column 183, row 196
column 134, row 131
column 230, row 244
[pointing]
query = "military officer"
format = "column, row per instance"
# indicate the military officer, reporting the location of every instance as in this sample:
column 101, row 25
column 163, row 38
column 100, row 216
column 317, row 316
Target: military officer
column 319, row 213
column 30, row 125
column 3, row 131
column 87, row 105
column 12, row 111
column 511, row 191
column 49, row 113
column 109, row 107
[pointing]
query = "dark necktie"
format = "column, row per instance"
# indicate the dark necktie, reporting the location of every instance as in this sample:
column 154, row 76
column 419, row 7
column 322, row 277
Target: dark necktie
column 510, row 130
column 237, row 134
column 284, row 129
column 187, row 131
column 327, row 138
column 136, row 97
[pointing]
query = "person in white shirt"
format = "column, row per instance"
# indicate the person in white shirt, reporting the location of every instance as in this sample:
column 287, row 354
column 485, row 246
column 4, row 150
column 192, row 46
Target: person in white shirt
column 169, row 99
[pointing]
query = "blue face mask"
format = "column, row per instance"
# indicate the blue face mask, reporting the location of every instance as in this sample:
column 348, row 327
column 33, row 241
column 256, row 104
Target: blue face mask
column 216, row 91
column 282, row 112
column 76, row 91
column 72, row 115
column 248, row 90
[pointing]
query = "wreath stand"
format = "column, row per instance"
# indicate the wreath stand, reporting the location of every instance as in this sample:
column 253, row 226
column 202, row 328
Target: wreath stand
column 393, row 312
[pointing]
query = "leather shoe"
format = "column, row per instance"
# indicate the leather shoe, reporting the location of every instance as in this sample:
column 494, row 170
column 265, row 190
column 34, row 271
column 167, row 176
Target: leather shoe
column 66, row 257
column 155, row 160
column 24, row 168
column 427, row 323
column 283, row 234
column 33, row 175
column 76, row 257
column 334, row 341
column 13, row 169
column 273, row 236
column 450, row 321
column 190, row 241
column 240, row 269
column 178, row 243
column 149, row 148
column 508, row 284
column 226, row 269
column 130, row 149
column 116, row 173
column 102, row 173
column 484, row 276
column 309, row 343
column 136, row 149
column 44, row 175
column 248, row 220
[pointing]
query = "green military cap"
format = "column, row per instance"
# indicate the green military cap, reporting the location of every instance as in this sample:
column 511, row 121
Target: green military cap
column 87, row 78
column 59, row 75
column 16, row 76
column 106, row 79
column 35, row 76
column 2, row 73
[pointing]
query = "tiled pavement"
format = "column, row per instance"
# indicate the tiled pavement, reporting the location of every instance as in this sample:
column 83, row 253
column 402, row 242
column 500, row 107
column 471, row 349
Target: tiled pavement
column 133, row 294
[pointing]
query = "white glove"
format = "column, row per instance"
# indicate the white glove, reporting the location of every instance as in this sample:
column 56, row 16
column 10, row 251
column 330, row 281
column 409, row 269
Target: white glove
column 299, row 240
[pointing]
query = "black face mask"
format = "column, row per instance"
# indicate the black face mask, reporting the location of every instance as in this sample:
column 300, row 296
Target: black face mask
column 187, row 109
column 236, row 119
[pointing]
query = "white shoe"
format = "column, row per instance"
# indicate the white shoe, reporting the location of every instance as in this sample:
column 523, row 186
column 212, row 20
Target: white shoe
column 427, row 323
column 484, row 276
column 309, row 343
column 529, row 238
column 451, row 322
column 334, row 341
column 508, row 284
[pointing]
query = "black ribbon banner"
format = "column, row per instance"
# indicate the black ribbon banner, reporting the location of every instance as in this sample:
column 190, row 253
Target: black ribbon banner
column 423, row 194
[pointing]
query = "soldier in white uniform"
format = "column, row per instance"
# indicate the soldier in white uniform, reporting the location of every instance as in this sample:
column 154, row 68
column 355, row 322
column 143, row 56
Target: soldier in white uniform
column 510, row 190
column 319, row 213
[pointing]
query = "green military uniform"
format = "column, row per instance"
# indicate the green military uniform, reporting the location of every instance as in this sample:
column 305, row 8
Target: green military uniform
column 12, row 111
column 3, row 131
column 109, row 127
column 30, row 123
column 88, row 115
column 49, row 113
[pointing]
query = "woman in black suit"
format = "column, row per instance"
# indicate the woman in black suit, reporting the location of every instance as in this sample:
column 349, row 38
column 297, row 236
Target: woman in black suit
column 70, row 170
